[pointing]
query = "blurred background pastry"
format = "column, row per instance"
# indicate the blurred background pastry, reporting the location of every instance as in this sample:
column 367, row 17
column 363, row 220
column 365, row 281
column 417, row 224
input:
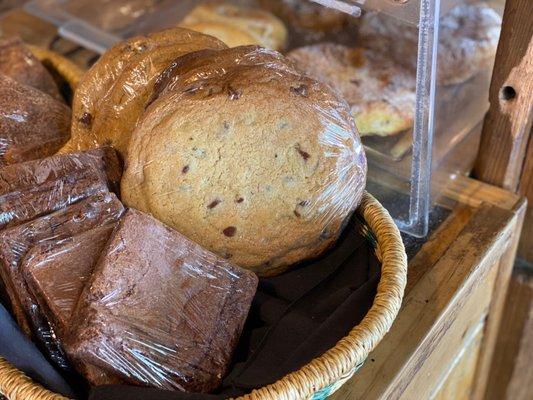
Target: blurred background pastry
column 468, row 38
column 380, row 92
column 236, row 25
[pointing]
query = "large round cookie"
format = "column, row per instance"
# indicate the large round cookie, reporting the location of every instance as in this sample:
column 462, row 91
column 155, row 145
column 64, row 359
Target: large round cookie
column 113, row 92
column 381, row 93
column 237, row 26
column 259, row 165
column 468, row 38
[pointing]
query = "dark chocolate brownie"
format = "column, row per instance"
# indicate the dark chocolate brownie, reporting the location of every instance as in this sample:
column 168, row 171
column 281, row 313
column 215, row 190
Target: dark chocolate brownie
column 18, row 62
column 160, row 310
column 35, row 188
column 97, row 210
column 33, row 124
column 56, row 273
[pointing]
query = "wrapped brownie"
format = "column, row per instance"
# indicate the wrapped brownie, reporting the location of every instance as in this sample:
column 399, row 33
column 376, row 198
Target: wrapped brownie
column 56, row 273
column 18, row 62
column 34, row 188
column 159, row 310
column 94, row 211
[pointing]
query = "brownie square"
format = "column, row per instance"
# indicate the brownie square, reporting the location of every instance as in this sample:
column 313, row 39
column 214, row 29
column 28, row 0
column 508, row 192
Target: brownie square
column 35, row 188
column 97, row 210
column 160, row 310
column 56, row 273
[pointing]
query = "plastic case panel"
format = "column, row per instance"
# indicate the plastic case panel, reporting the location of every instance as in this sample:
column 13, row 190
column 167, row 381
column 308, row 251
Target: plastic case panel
column 407, row 171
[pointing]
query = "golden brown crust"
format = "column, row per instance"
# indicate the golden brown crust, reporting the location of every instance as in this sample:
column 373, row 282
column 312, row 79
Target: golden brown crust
column 307, row 15
column 267, row 181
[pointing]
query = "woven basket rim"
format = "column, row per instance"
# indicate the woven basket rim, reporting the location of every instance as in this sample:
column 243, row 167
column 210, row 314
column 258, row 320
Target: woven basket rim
column 336, row 363
column 63, row 66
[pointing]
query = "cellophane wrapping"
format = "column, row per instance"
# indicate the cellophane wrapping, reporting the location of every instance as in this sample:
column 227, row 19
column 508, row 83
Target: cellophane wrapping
column 159, row 310
column 96, row 210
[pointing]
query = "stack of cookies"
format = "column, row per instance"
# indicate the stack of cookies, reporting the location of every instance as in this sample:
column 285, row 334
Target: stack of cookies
column 234, row 148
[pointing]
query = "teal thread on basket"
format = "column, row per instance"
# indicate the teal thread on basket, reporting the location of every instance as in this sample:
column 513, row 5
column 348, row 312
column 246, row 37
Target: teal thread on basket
column 330, row 389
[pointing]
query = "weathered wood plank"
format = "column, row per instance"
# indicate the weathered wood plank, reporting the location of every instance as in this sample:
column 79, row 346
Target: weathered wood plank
column 496, row 308
column 511, row 375
column 508, row 123
column 525, row 248
column 458, row 383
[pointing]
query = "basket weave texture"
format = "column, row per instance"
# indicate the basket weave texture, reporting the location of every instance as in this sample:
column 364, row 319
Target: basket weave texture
column 323, row 375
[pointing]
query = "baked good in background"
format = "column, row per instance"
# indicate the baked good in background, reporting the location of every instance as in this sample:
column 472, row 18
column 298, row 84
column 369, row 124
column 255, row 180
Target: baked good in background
column 18, row 63
column 380, row 92
column 237, row 25
column 160, row 310
column 268, row 180
column 468, row 39
column 114, row 92
column 32, row 123
column 306, row 15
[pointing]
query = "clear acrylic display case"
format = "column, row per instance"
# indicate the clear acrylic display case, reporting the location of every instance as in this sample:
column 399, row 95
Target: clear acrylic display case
column 407, row 171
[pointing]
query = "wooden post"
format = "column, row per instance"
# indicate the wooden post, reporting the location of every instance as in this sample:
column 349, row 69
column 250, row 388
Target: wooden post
column 507, row 125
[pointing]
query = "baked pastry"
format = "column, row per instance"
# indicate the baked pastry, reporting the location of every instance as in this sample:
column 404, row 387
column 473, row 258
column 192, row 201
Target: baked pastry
column 238, row 26
column 97, row 210
column 468, row 39
column 34, row 188
column 18, row 63
column 268, row 180
column 307, row 15
column 32, row 124
column 56, row 273
column 381, row 93
column 109, row 118
column 229, row 34
column 160, row 310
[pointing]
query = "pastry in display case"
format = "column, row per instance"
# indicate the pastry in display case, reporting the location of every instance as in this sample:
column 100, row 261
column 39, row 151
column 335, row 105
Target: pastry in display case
column 414, row 73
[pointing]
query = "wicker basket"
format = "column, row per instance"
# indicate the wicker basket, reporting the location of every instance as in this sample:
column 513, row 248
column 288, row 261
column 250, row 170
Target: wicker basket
column 65, row 72
column 325, row 374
